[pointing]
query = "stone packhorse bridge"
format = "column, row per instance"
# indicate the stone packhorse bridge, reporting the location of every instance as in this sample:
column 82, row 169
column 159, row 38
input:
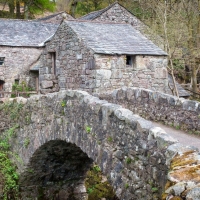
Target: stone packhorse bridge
column 61, row 134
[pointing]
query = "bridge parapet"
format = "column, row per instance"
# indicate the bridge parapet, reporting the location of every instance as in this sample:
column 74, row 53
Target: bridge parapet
column 156, row 106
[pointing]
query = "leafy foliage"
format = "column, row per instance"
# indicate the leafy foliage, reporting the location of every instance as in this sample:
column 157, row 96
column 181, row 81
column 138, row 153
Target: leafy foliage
column 12, row 109
column 30, row 8
column 20, row 87
column 84, row 7
column 7, row 168
column 38, row 6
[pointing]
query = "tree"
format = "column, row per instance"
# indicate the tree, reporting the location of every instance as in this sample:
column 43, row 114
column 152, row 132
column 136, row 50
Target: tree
column 178, row 22
column 37, row 6
column 85, row 6
column 31, row 7
column 11, row 4
column 191, row 10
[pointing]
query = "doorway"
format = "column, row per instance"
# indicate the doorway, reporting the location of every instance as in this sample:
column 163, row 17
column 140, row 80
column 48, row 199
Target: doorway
column 1, row 88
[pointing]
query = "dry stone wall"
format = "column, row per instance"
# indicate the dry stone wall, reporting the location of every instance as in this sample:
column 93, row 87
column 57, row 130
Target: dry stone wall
column 177, row 112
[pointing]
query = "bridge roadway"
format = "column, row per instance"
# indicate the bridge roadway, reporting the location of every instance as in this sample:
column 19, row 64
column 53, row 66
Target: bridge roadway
column 183, row 137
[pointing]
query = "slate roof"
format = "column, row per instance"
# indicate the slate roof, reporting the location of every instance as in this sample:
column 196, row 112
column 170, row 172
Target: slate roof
column 112, row 38
column 35, row 67
column 182, row 92
column 18, row 33
column 95, row 14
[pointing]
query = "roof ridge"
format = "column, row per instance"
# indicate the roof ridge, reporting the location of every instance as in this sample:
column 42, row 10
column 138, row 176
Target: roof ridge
column 100, row 11
column 96, row 22
column 9, row 19
column 27, row 21
column 50, row 16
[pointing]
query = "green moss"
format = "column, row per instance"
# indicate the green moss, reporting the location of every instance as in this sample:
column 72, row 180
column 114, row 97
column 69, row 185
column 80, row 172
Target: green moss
column 63, row 103
column 96, row 168
column 154, row 189
column 88, row 129
column 128, row 160
column 110, row 139
column 26, row 142
column 126, row 185
column 96, row 187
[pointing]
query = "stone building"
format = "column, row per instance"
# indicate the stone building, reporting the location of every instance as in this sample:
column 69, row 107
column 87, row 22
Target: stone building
column 21, row 44
column 99, row 56
column 116, row 13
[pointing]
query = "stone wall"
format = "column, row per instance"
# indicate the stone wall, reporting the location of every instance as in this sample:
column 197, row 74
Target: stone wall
column 177, row 112
column 140, row 161
column 149, row 72
column 17, row 63
column 73, row 62
column 119, row 14
column 129, row 151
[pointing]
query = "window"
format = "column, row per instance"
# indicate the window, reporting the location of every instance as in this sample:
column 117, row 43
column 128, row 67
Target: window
column 53, row 58
column 2, row 60
column 130, row 60
column 53, row 54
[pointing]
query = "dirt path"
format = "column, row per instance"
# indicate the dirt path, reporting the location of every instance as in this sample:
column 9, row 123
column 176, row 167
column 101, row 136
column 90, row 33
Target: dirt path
column 181, row 136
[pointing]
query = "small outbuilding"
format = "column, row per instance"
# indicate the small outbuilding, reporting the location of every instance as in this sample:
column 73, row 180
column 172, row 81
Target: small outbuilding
column 21, row 44
column 99, row 56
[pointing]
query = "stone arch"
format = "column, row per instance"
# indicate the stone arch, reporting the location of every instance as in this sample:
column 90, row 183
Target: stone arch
column 56, row 170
